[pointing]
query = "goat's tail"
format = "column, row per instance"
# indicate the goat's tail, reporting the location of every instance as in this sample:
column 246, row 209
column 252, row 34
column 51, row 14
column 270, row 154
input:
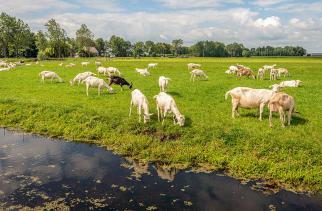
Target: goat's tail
column 226, row 95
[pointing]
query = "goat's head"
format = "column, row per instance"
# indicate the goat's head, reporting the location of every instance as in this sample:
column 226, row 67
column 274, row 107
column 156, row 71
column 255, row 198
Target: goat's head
column 130, row 86
column 275, row 87
column 180, row 120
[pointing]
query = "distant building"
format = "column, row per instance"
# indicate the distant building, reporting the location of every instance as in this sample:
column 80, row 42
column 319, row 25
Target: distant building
column 92, row 51
column 315, row 54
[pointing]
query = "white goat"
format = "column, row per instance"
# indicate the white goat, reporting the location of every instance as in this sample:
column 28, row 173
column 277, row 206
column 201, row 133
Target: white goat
column 113, row 70
column 143, row 72
column 61, row 64
column 84, row 64
column 141, row 102
column 192, row 66
column 101, row 70
column 49, row 75
column 269, row 67
column 198, row 73
column 163, row 83
column 261, row 73
column 232, row 70
column 283, row 71
column 98, row 64
column 92, row 81
column 245, row 97
column 292, row 83
column 80, row 77
column 165, row 103
column 273, row 74
column 281, row 102
column 152, row 65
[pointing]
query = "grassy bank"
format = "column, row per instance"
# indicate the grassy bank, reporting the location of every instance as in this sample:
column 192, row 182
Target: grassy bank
column 243, row 147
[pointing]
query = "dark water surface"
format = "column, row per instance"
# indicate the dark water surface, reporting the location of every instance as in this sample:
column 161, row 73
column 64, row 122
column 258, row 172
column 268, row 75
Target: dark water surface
column 37, row 172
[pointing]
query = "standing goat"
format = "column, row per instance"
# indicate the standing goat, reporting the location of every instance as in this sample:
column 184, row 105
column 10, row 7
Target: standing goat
column 199, row 73
column 138, row 99
column 165, row 103
column 245, row 97
column 119, row 81
column 163, row 83
column 281, row 102
column 92, row 81
column 80, row 77
column 49, row 75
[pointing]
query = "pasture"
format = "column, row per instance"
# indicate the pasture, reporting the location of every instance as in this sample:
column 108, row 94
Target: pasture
column 244, row 147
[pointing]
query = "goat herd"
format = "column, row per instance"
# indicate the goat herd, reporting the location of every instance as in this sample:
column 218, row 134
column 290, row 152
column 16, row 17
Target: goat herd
column 242, row 97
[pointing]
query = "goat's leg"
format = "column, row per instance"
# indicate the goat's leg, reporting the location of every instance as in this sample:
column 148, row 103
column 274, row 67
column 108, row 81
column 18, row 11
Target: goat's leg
column 289, row 116
column 158, row 110
column 87, row 89
column 164, row 115
column 191, row 77
column 234, row 108
column 270, row 118
column 261, row 108
column 139, row 112
column 131, row 104
column 282, row 117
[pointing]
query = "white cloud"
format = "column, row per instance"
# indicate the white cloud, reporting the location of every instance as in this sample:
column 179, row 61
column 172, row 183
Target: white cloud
column 265, row 3
column 272, row 21
column 188, row 4
column 193, row 21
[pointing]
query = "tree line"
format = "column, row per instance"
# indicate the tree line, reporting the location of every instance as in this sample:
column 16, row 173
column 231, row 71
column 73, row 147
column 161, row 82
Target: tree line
column 17, row 40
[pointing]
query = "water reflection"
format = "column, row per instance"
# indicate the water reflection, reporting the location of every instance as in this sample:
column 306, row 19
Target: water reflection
column 38, row 173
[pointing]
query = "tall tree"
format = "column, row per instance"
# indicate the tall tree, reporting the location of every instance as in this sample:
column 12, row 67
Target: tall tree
column 57, row 37
column 100, row 46
column 84, row 38
column 176, row 45
column 138, row 49
column 119, row 46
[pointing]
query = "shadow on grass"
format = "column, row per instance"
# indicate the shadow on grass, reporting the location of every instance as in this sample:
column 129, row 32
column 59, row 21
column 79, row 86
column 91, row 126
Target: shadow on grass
column 175, row 94
column 296, row 120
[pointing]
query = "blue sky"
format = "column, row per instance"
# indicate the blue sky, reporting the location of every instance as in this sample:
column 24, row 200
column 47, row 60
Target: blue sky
column 254, row 23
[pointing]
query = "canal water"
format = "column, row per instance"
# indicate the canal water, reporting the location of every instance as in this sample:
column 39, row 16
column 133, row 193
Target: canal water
column 38, row 173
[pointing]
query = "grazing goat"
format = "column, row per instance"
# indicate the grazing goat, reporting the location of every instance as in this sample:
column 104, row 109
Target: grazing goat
column 281, row 102
column 113, row 70
column 80, row 77
column 138, row 99
column 165, row 103
column 49, row 75
column 273, row 74
column 119, row 81
column 143, row 72
column 198, row 73
column 292, row 83
column 84, row 64
column 245, row 72
column 269, row 67
column 152, row 65
column 61, row 64
column 163, row 83
column 98, row 64
column 192, row 66
column 282, row 71
column 232, row 70
column 261, row 73
column 102, row 70
column 245, row 97
column 92, row 81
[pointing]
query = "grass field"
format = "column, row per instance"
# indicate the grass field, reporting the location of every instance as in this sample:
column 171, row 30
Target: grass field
column 244, row 147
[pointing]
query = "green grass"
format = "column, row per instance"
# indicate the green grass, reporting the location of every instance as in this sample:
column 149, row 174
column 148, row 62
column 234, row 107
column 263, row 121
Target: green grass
column 244, row 147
